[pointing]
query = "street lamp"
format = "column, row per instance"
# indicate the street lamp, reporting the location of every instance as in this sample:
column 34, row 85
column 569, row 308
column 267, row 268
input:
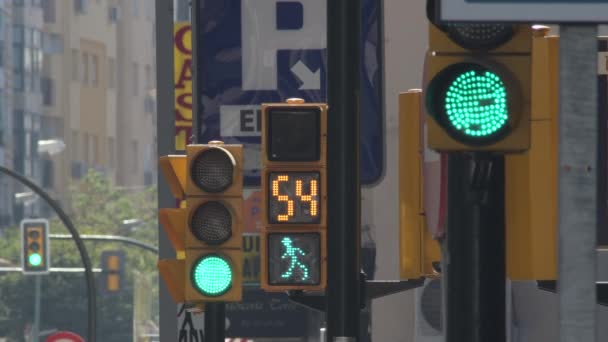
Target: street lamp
column 51, row 146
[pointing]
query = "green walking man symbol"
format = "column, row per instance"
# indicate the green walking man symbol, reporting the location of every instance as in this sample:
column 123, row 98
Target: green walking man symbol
column 293, row 252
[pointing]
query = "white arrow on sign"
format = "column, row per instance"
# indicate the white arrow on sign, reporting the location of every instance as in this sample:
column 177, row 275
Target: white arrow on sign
column 310, row 79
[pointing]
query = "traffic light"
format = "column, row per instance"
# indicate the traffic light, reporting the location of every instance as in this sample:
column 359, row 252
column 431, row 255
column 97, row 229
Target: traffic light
column 531, row 178
column 112, row 266
column 478, row 92
column 294, row 214
column 35, row 247
column 419, row 252
column 207, row 232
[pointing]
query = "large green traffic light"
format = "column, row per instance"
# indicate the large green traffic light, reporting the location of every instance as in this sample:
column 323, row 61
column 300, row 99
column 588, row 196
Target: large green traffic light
column 212, row 275
column 472, row 102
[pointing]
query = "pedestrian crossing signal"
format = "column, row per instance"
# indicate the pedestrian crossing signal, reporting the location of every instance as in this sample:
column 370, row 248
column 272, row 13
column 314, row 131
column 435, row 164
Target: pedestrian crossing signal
column 294, row 210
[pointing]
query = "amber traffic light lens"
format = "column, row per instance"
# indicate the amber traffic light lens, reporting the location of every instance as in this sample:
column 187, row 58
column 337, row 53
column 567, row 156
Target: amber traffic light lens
column 212, row 170
column 211, row 223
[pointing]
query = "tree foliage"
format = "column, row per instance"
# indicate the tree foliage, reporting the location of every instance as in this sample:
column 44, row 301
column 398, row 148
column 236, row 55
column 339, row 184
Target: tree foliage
column 95, row 206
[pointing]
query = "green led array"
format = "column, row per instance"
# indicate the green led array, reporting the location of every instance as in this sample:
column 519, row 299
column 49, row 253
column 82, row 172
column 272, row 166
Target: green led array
column 35, row 259
column 212, row 275
column 292, row 253
column 476, row 103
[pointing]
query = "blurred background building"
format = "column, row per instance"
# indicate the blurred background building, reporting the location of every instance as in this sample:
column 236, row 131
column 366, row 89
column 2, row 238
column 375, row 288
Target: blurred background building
column 83, row 72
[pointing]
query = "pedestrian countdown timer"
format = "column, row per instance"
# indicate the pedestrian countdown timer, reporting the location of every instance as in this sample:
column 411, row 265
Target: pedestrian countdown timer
column 293, row 186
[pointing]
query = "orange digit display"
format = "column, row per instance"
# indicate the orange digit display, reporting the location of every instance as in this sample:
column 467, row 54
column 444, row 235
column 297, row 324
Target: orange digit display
column 295, row 197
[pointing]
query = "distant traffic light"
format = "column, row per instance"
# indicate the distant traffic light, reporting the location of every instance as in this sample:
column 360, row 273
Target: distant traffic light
column 207, row 233
column 478, row 96
column 293, row 254
column 112, row 276
column 35, row 247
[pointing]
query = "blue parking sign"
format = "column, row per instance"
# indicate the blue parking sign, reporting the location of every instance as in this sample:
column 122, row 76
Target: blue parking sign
column 251, row 52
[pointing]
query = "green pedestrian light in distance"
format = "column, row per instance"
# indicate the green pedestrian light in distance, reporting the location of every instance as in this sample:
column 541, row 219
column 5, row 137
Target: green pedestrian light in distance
column 212, row 275
column 35, row 259
column 476, row 103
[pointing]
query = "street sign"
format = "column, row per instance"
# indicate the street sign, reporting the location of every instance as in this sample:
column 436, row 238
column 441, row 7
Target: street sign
column 545, row 11
column 265, row 315
column 253, row 51
column 64, row 336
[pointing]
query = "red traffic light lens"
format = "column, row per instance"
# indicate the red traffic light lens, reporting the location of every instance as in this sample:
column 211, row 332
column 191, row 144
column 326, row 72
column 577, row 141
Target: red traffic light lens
column 212, row 170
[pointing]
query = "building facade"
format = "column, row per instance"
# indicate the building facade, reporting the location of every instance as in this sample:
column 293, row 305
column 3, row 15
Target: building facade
column 81, row 71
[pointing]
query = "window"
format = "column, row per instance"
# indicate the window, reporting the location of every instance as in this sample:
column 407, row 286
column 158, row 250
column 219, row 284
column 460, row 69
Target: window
column 48, row 10
column 2, row 121
column 135, row 78
column 94, row 69
column 18, row 57
column 75, row 64
column 111, row 72
column 18, row 2
column 80, row 6
column 148, row 71
column 85, row 68
column 46, row 86
column 95, row 150
column 111, row 153
column 74, row 143
column 134, row 156
column 52, row 43
column 113, row 14
column 135, row 7
column 85, row 148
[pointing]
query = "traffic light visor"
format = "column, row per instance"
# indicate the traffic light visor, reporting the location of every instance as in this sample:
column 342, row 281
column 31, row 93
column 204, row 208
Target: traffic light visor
column 476, row 104
column 212, row 170
column 212, row 275
column 211, row 223
column 294, row 134
column 479, row 36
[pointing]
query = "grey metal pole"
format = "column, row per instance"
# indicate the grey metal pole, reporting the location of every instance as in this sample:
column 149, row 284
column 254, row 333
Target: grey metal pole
column 578, row 139
column 183, row 10
column 344, row 191
column 36, row 328
column 165, row 133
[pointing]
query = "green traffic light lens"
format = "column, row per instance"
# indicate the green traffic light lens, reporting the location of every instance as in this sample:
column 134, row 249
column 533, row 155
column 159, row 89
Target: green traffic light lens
column 35, row 259
column 212, row 275
column 475, row 104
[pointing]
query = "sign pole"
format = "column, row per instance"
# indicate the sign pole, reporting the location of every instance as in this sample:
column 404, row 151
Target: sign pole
column 344, row 194
column 165, row 133
column 475, row 270
column 578, row 140
column 36, row 327
column 215, row 312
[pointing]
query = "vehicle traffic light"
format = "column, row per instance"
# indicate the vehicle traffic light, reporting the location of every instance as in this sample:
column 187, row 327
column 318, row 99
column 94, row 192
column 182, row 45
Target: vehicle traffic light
column 112, row 266
column 35, row 247
column 419, row 252
column 209, row 229
column 531, row 178
column 478, row 92
column 294, row 214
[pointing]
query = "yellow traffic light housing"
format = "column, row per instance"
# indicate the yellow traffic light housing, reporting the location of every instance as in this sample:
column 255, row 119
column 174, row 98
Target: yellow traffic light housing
column 207, row 231
column 531, row 178
column 112, row 266
column 419, row 252
column 35, row 248
column 294, row 191
column 478, row 92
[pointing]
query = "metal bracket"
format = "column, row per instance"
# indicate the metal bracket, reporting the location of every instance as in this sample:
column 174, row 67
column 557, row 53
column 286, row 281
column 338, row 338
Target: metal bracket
column 371, row 290
column 601, row 289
